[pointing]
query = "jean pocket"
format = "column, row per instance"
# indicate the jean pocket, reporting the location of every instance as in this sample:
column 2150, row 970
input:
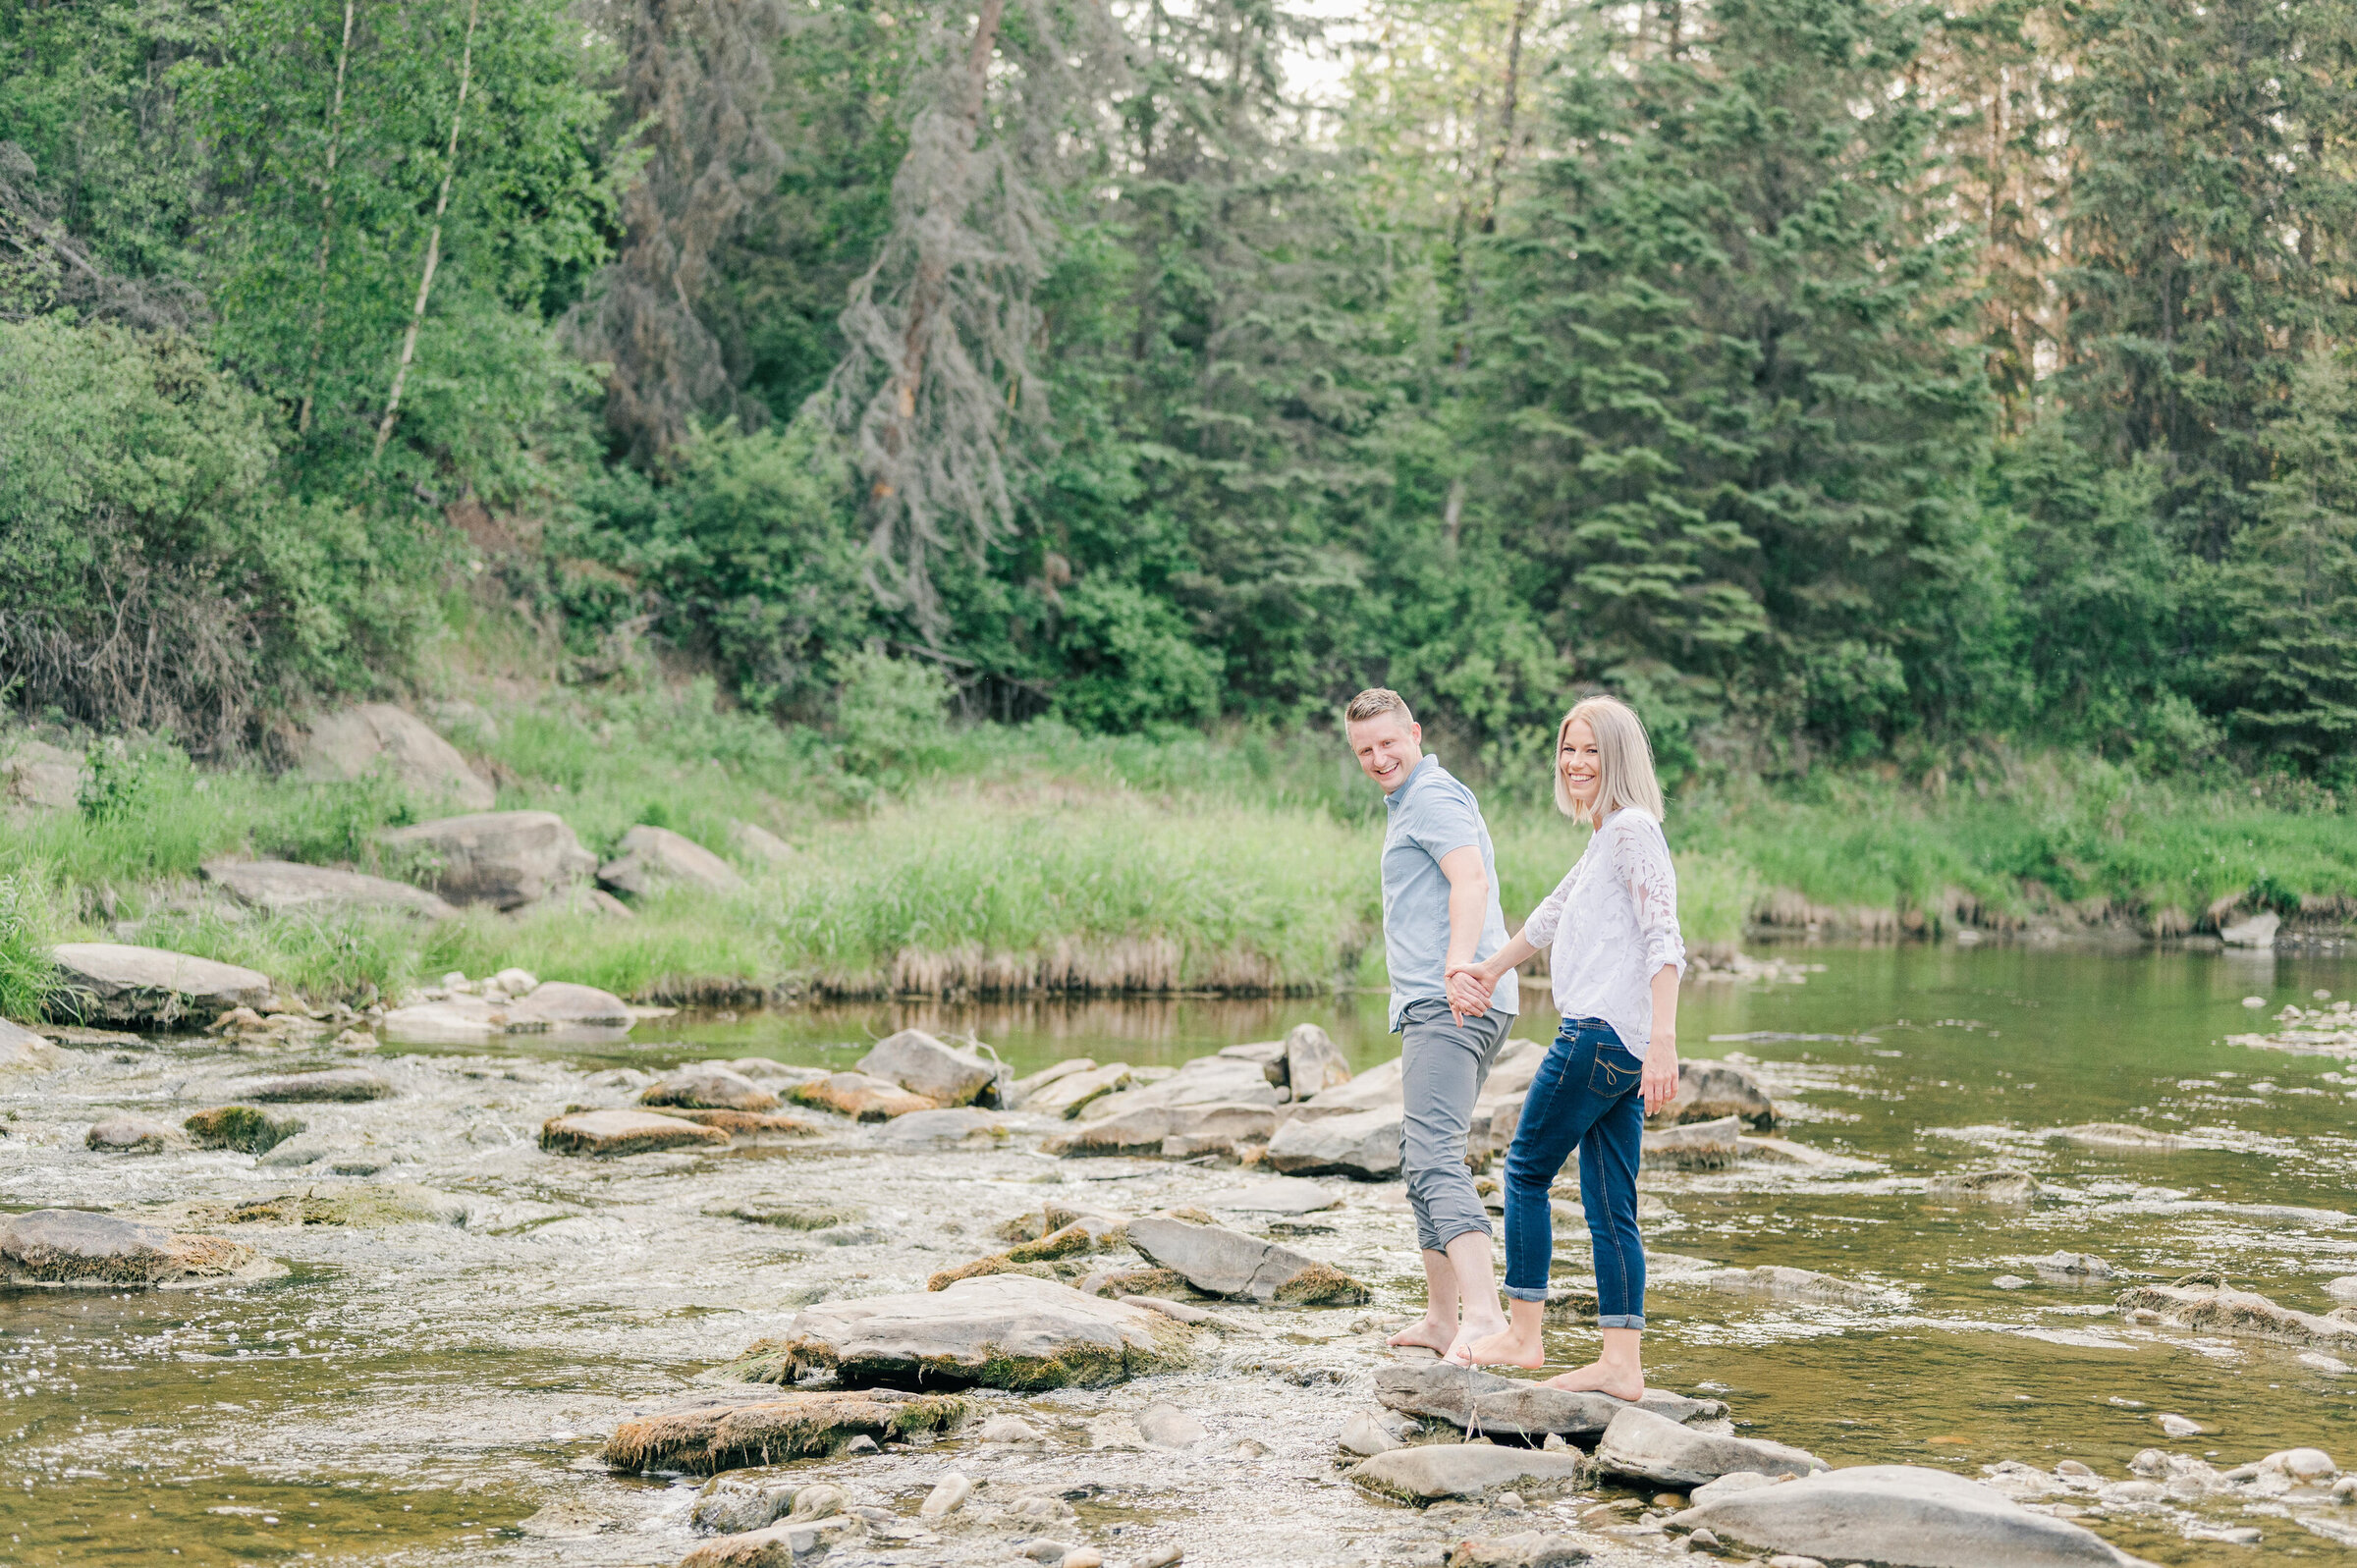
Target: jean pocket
column 1611, row 1079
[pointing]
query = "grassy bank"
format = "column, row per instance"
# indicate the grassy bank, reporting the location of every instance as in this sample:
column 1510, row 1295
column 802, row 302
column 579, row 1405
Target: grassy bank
column 1013, row 860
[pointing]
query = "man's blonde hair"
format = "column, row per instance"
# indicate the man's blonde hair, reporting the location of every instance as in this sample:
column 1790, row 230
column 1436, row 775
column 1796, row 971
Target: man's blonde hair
column 1624, row 761
column 1374, row 703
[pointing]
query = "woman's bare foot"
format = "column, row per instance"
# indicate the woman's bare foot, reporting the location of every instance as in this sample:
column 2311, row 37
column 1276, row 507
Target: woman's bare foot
column 1433, row 1337
column 1511, row 1347
column 1474, row 1329
column 1601, row 1377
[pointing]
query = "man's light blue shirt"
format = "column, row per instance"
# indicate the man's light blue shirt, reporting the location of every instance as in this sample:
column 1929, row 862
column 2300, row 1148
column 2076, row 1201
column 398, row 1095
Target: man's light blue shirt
column 1433, row 815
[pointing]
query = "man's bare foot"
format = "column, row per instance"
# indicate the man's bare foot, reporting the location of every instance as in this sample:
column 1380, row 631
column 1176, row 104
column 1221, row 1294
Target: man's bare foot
column 1474, row 1328
column 1433, row 1337
column 1503, row 1349
column 1597, row 1377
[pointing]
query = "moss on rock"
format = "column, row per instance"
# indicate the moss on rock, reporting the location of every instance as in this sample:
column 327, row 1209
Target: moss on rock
column 247, row 1128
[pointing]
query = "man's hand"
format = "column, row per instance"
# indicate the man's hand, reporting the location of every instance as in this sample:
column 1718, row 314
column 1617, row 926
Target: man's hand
column 1660, row 1081
column 1471, row 988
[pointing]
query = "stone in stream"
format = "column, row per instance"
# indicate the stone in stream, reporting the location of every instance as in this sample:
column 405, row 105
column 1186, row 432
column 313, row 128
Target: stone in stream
column 1695, row 1146
column 1144, row 1130
column 1364, row 1144
column 72, row 1247
column 560, row 1003
column 1708, row 1091
column 924, row 1065
column 1166, row 1426
column 1123, row 1284
column 341, row 1085
column 942, row 1129
column 116, row 983
column 1286, row 1195
column 2256, row 931
column 2205, row 1301
column 606, row 1133
column 506, row 859
column 2003, row 1185
column 2078, row 1266
column 2342, row 1290
column 555, row 1005
column 859, row 1096
column 778, row 1545
column 1431, row 1472
column 2123, row 1136
column 23, row 1050
column 651, row 861
column 133, row 1135
column 1654, row 1448
column 723, row 1432
column 245, row 1128
column 1313, row 1063
column 1782, row 1283
column 1526, row 1548
column 1486, row 1402
column 286, row 887
column 1371, row 1433
column 1228, row 1262
column 1204, row 1081
column 1784, row 1152
column 947, row 1496
column 739, row 1500
column 1069, row 1094
column 1901, row 1515
column 762, row 1126
column 357, row 1206
column 1092, row 1233
column 706, row 1087
column 377, row 736
column 1030, row 1084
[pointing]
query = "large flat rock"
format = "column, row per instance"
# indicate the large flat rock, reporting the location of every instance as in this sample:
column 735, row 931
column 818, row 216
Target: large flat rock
column 708, row 1086
column 1901, row 1515
column 997, row 1330
column 1658, row 1449
column 1280, row 1195
column 651, row 861
column 117, row 982
column 286, row 887
column 859, row 1096
column 1695, row 1146
column 502, row 858
column 379, row 738
column 1147, row 1129
column 345, row 1084
column 726, row 1431
column 1486, row 1402
column 553, row 1006
column 1065, row 1094
column 2214, row 1307
column 1228, row 1262
column 1432, row 1472
column 1204, row 1081
column 1708, row 1091
column 23, row 1050
column 624, row 1132
column 70, row 1247
column 1364, row 1144
column 926, row 1065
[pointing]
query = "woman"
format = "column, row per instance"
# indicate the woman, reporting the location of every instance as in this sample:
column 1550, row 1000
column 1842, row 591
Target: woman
column 1610, row 930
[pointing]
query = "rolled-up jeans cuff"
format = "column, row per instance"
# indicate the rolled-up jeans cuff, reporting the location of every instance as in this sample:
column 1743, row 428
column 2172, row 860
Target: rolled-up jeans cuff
column 1527, row 1293
column 1618, row 1320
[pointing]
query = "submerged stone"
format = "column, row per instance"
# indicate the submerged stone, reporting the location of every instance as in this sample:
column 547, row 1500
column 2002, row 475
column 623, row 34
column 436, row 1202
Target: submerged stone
column 2208, row 1303
column 940, row 1130
column 1782, row 1283
column 726, row 1431
column 1528, row 1549
column 790, row 1216
column 707, row 1087
column 1902, row 1515
column 1285, row 1195
column 2123, row 1136
column 335, row 1084
column 1431, row 1472
column 359, row 1205
column 1651, row 1447
column 70, row 1247
column 622, row 1132
column 1085, row 1235
column 1480, row 1401
column 245, row 1128
column 2003, row 1185
column 133, row 1135
column 1228, row 1262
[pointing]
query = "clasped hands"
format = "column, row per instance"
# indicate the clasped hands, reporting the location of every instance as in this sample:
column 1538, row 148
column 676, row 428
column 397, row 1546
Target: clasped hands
column 1470, row 987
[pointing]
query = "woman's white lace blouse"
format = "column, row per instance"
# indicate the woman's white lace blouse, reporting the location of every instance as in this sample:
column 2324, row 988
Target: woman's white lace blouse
column 1611, row 925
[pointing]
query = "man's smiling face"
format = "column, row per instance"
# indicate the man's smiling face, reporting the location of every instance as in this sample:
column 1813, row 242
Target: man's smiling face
column 1388, row 749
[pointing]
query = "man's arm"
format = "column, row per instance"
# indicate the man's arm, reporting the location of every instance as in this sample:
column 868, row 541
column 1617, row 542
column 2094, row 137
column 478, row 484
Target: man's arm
column 1468, row 910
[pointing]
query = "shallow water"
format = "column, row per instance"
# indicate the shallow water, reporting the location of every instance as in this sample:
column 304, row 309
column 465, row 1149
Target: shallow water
column 413, row 1394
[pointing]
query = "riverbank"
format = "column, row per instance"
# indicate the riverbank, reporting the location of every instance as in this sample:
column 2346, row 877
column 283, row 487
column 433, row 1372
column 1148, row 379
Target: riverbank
column 1037, row 860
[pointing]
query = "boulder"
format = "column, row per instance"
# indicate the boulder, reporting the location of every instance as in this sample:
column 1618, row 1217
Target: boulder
column 624, row 1132
column 379, row 738
column 284, row 887
column 23, row 1050
column 1145, row 1129
column 924, row 1065
column 781, row 1545
column 1430, row 1471
column 38, row 777
column 1313, row 1063
column 1228, row 1262
column 1902, row 1515
column 2257, row 931
column 2208, row 1303
column 652, row 859
column 722, row 1432
column 1695, row 1146
column 1528, row 1548
column 1204, row 1081
column 1486, row 1402
column 1356, row 1143
column 119, row 984
column 74, row 1247
column 1377, row 1088
column 2003, row 1185
column 1021, row 1088
column 737, row 1501
column 759, row 844
column 707, row 1087
column 1284, row 1195
column 555, row 1007
column 941, row 1129
column 857, row 1096
column 133, row 1135
column 241, row 1127
column 1782, row 1283
column 1655, row 1448
column 1708, row 1091
column 502, row 858
column 338, row 1084
column 1069, row 1093
column 1000, row 1331
column 562, row 1003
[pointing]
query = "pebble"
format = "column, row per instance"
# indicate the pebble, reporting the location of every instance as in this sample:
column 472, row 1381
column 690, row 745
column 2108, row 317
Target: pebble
column 949, row 1493
column 2074, row 1468
column 1010, row 1430
column 2012, row 1282
column 2177, row 1425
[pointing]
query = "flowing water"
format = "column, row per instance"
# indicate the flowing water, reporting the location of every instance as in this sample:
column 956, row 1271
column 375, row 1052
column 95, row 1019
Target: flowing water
column 413, row 1394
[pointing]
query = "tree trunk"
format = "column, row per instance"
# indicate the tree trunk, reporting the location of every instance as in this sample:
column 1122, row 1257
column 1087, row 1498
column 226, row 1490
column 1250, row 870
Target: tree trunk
column 433, row 243
column 327, row 222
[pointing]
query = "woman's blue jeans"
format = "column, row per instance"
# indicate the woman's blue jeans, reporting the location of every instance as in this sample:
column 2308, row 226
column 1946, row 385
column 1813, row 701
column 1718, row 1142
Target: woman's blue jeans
column 1586, row 1094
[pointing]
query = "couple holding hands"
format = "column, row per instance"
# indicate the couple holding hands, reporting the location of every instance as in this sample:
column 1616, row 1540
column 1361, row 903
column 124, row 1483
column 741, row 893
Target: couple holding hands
column 1614, row 956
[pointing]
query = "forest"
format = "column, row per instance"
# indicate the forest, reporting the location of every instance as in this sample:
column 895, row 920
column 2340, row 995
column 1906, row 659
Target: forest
column 1845, row 381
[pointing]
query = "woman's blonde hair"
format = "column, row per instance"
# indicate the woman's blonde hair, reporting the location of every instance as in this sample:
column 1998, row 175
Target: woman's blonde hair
column 1625, row 760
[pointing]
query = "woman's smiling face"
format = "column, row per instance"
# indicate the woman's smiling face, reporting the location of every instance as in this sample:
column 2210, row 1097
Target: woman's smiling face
column 1581, row 764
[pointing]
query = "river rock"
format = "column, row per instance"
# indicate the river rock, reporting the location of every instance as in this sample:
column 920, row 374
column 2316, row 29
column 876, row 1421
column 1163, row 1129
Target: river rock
column 1371, row 1433
column 1146, row 1129
column 2074, row 1266
column 1364, row 1144
column 1228, row 1262
column 1166, row 1426
column 1708, row 1091
column 77, row 1248
column 379, row 736
column 1001, row 1331
column 1068, row 1093
column 120, row 983
column 1204, row 1081
column 651, row 861
column 346, row 1085
column 133, row 1135
column 1376, row 1089
column 23, row 1050
column 762, row 1126
column 1902, row 1515
column 502, row 858
column 1285, row 1195
column 779, row 1545
column 941, row 1129
column 1430, row 1471
column 737, row 1501
column 947, row 1496
column 2257, row 931
column 1528, row 1548
column 2206, row 1303
column 924, row 1065
column 1313, row 1063
column 39, row 777
column 624, row 1132
column 1480, row 1401
column 1695, row 1146
column 2123, row 1136
column 2003, row 1185
column 707, row 1087
column 245, row 1128
column 563, row 1004
column 1782, row 1283
column 1654, row 1448
column 285, row 886
column 1021, row 1088
column 859, row 1096
column 722, row 1432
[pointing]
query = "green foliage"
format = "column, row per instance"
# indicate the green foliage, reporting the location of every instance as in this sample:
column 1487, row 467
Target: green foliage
column 28, row 928
column 892, row 713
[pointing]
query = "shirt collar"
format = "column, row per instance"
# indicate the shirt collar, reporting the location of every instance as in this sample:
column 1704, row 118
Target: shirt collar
column 1428, row 762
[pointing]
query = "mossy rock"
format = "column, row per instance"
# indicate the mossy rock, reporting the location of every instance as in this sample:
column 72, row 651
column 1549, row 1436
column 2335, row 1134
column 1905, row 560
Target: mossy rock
column 790, row 1216
column 1321, row 1285
column 361, row 1206
column 247, row 1128
column 705, row 1439
column 998, row 1263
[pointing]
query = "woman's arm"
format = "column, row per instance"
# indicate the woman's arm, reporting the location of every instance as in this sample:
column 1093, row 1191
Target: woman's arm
column 1641, row 855
column 1658, row 1084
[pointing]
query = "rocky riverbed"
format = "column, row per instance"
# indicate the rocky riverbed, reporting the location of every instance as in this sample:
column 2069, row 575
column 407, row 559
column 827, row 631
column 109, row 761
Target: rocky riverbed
column 2096, row 1288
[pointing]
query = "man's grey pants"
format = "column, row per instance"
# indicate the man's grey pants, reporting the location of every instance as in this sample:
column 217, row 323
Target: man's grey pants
column 1443, row 1065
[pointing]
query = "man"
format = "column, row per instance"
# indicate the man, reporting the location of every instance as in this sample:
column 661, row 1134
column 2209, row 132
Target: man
column 1440, row 910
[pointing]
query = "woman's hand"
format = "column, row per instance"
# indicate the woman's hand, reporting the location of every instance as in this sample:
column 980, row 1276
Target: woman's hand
column 1660, row 1081
column 1470, row 988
